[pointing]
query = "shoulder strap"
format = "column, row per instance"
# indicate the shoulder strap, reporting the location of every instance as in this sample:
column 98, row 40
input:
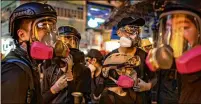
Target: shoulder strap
column 27, row 70
column 24, row 67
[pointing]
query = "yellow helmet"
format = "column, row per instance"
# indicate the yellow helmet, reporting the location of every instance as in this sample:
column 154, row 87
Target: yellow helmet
column 145, row 42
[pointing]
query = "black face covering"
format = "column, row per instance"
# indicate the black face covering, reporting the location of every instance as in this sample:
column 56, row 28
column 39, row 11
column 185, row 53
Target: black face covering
column 110, row 83
column 113, row 73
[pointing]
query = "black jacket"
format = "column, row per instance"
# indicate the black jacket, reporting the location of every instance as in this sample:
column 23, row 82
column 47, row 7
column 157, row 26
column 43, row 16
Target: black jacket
column 15, row 81
column 51, row 75
column 81, row 81
column 190, row 88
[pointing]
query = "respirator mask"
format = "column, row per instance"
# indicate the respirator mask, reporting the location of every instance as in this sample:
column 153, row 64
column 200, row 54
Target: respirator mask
column 178, row 41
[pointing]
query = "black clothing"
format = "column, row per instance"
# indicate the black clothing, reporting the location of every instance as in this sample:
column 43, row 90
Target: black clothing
column 143, row 72
column 81, row 81
column 97, row 86
column 190, row 88
column 15, row 81
column 110, row 97
column 51, row 75
column 168, row 87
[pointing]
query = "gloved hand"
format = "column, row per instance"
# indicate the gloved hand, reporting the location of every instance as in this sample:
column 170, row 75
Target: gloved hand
column 68, row 68
column 142, row 86
column 60, row 84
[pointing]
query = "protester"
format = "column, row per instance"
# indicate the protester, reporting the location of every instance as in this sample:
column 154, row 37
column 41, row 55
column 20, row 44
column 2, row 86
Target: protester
column 178, row 45
column 129, row 31
column 95, row 59
column 32, row 26
column 68, row 68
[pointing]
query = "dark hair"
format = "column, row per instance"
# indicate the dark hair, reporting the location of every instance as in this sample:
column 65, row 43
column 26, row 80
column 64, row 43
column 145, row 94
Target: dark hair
column 20, row 24
column 94, row 53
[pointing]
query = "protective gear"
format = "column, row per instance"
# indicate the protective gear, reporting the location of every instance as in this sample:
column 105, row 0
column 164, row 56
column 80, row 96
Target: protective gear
column 119, row 68
column 146, row 45
column 189, row 62
column 179, row 30
column 43, row 26
column 70, row 36
column 125, row 81
column 142, row 86
column 160, row 58
column 125, row 42
column 133, row 39
column 145, row 42
column 46, row 27
column 41, row 51
column 30, row 10
column 131, row 29
column 60, row 84
column 136, row 21
column 61, row 50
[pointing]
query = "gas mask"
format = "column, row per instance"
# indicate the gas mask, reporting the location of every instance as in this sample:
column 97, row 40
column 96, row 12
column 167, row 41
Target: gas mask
column 61, row 49
column 133, row 39
column 179, row 41
column 44, row 38
column 122, row 73
column 70, row 40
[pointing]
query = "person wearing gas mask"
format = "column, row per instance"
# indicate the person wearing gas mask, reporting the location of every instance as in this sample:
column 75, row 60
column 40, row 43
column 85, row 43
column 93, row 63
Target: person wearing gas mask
column 179, row 46
column 81, row 73
column 120, row 73
column 95, row 59
column 58, row 76
column 129, row 31
column 67, row 72
column 33, row 27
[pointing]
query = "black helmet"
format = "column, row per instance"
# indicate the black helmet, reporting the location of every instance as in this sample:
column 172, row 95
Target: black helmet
column 189, row 5
column 70, row 36
column 68, row 30
column 30, row 10
column 171, row 5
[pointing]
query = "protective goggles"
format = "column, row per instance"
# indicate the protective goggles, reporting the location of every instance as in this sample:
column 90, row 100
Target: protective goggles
column 180, row 30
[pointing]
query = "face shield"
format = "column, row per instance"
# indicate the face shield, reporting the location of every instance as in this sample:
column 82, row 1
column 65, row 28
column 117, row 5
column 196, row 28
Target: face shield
column 70, row 40
column 130, row 36
column 131, row 30
column 44, row 36
column 44, row 30
column 180, row 30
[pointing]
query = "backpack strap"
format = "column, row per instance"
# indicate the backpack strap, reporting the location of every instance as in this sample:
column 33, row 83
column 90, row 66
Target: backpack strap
column 25, row 67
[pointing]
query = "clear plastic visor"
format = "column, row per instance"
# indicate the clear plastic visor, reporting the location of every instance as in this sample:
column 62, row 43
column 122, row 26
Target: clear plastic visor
column 180, row 30
column 70, row 40
column 45, row 31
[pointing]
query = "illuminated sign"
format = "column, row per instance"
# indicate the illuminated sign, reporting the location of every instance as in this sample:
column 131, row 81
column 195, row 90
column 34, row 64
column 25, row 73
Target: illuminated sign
column 7, row 44
column 96, row 15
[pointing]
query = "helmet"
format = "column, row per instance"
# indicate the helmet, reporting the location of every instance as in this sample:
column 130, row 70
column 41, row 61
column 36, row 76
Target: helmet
column 180, row 25
column 118, row 61
column 70, row 36
column 145, row 42
column 146, row 45
column 30, row 10
column 118, row 64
